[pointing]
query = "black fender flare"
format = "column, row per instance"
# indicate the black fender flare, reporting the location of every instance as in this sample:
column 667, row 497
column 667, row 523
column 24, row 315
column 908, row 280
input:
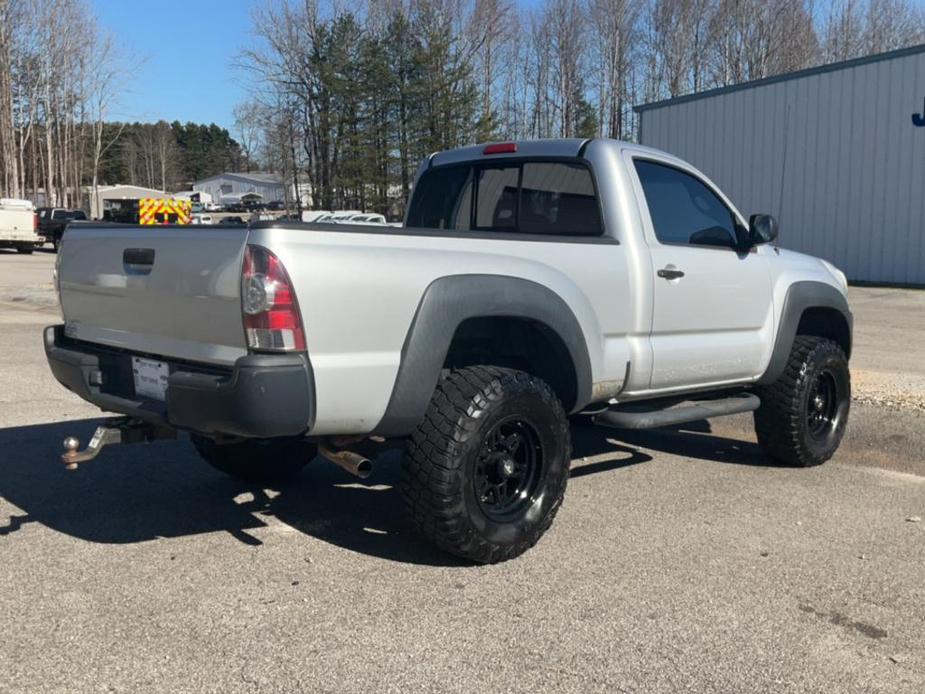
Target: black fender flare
column 800, row 297
column 446, row 303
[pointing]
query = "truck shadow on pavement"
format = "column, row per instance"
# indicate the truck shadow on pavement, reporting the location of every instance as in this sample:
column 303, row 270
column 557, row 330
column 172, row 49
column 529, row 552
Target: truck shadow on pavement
column 163, row 490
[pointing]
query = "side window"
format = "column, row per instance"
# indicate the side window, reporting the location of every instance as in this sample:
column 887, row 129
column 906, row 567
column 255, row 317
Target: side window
column 442, row 199
column 59, row 214
column 558, row 198
column 683, row 209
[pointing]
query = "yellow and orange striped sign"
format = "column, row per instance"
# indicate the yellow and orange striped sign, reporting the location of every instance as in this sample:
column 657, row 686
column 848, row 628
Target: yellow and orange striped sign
column 164, row 211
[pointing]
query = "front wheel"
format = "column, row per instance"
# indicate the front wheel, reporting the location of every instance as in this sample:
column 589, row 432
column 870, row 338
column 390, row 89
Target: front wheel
column 264, row 461
column 804, row 413
column 486, row 471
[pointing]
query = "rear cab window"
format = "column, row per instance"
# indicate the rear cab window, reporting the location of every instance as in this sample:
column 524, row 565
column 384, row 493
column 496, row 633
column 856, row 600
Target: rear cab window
column 536, row 197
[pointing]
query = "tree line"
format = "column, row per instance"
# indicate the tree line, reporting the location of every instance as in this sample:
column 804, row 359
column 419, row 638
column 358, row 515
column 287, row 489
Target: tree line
column 346, row 102
column 60, row 78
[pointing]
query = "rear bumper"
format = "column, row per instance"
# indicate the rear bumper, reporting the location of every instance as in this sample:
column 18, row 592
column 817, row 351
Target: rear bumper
column 261, row 396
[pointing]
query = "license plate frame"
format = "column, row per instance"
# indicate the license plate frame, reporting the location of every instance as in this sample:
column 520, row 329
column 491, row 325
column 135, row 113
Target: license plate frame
column 150, row 376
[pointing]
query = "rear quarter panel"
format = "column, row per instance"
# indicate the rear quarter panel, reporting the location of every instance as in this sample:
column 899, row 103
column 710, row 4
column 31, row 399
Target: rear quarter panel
column 358, row 293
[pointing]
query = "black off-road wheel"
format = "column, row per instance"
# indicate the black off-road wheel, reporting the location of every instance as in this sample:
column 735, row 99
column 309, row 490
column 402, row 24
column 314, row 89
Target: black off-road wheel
column 486, row 471
column 803, row 415
column 264, row 461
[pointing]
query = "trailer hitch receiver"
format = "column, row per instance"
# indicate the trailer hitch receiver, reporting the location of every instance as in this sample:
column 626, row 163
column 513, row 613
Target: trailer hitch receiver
column 118, row 430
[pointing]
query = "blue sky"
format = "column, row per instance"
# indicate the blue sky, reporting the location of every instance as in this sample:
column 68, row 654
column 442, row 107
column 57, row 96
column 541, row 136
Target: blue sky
column 184, row 52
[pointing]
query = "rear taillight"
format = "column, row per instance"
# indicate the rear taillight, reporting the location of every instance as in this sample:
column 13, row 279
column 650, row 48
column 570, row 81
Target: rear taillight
column 272, row 321
column 35, row 222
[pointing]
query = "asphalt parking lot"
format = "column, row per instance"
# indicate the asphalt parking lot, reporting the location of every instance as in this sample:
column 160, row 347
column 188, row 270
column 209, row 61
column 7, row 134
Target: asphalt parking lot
column 681, row 559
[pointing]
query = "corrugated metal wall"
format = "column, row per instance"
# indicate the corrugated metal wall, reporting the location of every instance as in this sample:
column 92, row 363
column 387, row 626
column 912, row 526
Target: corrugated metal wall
column 833, row 155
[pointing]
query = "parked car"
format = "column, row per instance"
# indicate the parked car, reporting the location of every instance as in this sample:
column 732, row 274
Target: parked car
column 276, row 205
column 212, row 207
column 367, row 219
column 531, row 281
column 201, row 219
column 54, row 220
column 342, row 217
column 234, row 220
column 18, row 225
column 313, row 215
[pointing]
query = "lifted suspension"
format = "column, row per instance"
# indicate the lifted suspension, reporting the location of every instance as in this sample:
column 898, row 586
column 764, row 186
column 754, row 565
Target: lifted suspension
column 117, row 430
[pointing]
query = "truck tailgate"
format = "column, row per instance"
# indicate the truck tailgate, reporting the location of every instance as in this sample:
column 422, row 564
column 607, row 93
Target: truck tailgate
column 168, row 291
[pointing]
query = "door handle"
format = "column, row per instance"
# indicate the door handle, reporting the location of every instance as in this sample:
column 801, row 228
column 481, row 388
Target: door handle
column 138, row 261
column 670, row 273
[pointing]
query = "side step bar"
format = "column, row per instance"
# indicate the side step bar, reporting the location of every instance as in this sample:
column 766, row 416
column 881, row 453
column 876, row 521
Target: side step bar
column 679, row 414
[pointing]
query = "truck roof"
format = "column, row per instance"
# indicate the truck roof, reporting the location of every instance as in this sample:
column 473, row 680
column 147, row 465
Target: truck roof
column 565, row 147
column 561, row 147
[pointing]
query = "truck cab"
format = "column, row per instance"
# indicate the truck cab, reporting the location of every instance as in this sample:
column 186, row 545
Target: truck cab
column 54, row 220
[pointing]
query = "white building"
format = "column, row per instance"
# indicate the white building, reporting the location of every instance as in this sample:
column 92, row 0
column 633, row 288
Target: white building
column 108, row 197
column 836, row 153
column 269, row 187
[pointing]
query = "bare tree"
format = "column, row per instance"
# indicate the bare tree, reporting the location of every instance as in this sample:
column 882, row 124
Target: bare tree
column 101, row 90
column 852, row 28
column 755, row 39
column 9, row 19
column 613, row 24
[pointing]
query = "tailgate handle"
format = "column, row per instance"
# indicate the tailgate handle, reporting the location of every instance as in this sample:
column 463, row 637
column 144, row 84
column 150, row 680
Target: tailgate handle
column 138, row 260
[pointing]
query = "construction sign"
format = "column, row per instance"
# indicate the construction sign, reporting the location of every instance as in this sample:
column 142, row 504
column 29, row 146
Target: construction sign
column 164, row 211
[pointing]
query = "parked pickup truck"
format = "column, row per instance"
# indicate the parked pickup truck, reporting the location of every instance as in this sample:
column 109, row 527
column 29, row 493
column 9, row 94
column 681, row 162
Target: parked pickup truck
column 531, row 282
column 54, row 220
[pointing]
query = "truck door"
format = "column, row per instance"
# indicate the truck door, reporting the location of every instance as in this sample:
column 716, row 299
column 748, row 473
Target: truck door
column 712, row 316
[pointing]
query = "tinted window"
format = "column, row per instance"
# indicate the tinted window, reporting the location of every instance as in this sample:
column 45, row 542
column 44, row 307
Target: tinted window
column 683, row 209
column 558, row 198
column 496, row 206
column 533, row 197
column 59, row 214
column 442, row 199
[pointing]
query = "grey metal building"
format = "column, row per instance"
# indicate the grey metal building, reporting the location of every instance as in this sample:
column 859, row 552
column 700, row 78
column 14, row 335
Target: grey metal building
column 836, row 153
column 269, row 186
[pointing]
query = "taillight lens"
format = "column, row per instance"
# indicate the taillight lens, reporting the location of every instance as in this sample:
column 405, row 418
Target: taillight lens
column 272, row 321
column 35, row 222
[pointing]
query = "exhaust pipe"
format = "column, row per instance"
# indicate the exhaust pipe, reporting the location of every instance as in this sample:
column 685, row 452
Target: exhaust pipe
column 354, row 463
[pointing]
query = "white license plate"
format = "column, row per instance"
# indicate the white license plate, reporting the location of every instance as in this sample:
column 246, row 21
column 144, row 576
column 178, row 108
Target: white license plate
column 150, row 378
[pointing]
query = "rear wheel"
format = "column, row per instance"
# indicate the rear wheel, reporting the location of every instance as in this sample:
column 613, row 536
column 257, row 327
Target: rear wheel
column 263, row 461
column 803, row 414
column 25, row 250
column 486, row 471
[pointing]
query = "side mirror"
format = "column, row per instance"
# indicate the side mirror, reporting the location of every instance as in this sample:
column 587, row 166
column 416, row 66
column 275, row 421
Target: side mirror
column 762, row 228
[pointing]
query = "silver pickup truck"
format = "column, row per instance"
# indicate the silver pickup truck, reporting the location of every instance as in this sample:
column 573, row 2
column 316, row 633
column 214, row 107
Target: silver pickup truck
column 532, row 281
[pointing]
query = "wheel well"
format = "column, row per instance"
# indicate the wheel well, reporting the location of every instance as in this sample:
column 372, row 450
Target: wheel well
column 519, row 343
column 828, row 323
